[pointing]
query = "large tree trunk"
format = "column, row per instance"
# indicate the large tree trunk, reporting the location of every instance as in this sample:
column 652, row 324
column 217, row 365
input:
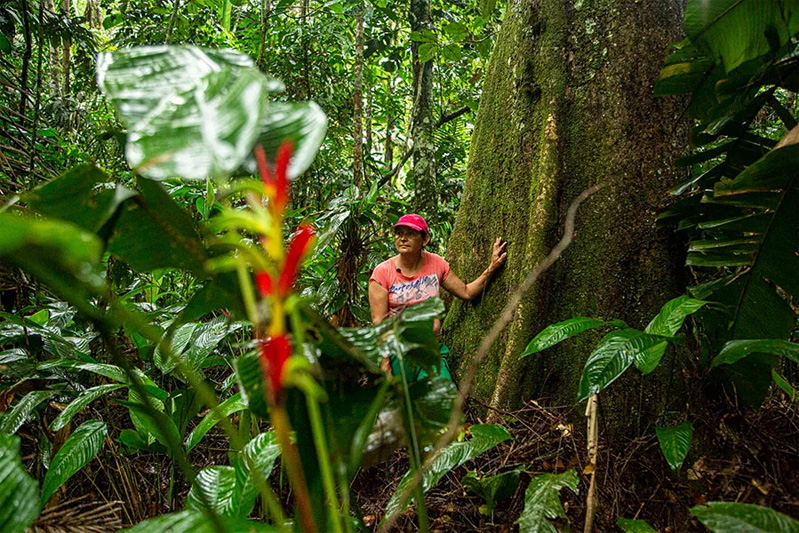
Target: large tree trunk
column 567, row 104
column 422, row 122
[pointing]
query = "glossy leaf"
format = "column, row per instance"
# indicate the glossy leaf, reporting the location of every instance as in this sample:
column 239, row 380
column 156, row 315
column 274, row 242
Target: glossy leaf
column 723, row 517
column 234, row 404
column 263, row 450
column 223, row 493
column 14, row 418
column 112, row 372
column 675, row 443
column 180, row 339
column 738, row 349
column 196, row 522
column 542, row 501
column 484, row 437
column 667, row 322
column 493, row 489
column 250, row 378
column 612, row 356
column 80, row 448
column 79, row 403
column 629, row 525
column 19, row 502
column 555, row 333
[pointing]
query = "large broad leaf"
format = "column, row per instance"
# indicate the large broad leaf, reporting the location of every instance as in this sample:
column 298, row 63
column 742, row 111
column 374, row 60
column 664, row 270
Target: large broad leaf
column 112, row 372
column 250, row 377
column 628, row 525
column 493, row 489
column 555, row 333
column 675, row 443
column 737, row 31
column 723, row 517
column 612, row 356
column 234, row 404
column 13, row 419
column 80, row 448
column 735, row 350
column 542, row 501
column 194, row 112
column 262, row 451
column 484, row 437
column 180, row 339
column 221, row 491
column 19, row 502
column 196, row 522
column 154, row 232
column 79, row 403
column 73, row 197
column 667, row 322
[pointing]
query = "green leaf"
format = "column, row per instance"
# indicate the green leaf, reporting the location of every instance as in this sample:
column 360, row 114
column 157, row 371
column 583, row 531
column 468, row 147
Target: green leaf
column 612, row 356
column 263, row 450
column 667, row 322
column 180, row 339
column 738, row 349
column 207, row 338
column 786, row 387
column 73, row 197
column 542, row 501
column 154, row 232
column 234, row 404
column 13, row 419
column 218, row 484
column 675, row 442
column 190, row 112
column 158, row 425
column 629, row 525
column 487, row 7
column 110, row 371
column 77, row 405
column 427, row 51
column 250, row 377
column 738, row 31
column 492, row 489
column 484, row 437
column 80, row 448
column 19, row 502
column 196, row 522
column 723, row 517
column 555, row 333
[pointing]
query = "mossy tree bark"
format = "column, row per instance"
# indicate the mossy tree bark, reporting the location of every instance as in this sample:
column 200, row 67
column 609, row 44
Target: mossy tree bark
column 568, row 104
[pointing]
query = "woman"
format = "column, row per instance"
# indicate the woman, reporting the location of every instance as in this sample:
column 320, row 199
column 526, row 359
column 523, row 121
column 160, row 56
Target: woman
column 414, row 275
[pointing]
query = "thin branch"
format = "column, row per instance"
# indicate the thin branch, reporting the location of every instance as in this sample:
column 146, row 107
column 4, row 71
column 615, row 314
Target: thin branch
column 449, row 117
column 394, row 171
column 504, row 319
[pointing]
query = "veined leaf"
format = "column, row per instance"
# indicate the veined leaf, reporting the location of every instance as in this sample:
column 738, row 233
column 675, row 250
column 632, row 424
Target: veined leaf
column 634, row 526
column 667, row 322
column 14, row 418
column 542, row 501
column 250, row 377
column 112, row 372
column 612, row 356
column 80, row 448
column 263, row 450
column 555, row 333
column 223, row 493
column 484, row 437
column 675, row 442
column 180, row 339
column 77, row 405
column 723, row 517
column 196, row 522
column 738, row 349
column 19, row 502
column 234, row 404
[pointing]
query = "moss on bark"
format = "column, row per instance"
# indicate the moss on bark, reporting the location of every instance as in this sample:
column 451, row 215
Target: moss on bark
column 567, row 104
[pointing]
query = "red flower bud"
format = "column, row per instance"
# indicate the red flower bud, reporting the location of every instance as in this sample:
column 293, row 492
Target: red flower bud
column 297, row 249
column 281, row 169
column 264, row 284
column 274, row 353
column 263, row 165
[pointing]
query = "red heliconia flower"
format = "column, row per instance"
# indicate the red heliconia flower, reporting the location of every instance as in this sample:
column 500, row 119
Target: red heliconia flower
column 274, row 352
column 263, row 282
column 281, row 169
column 297, row 249
column 263, row 165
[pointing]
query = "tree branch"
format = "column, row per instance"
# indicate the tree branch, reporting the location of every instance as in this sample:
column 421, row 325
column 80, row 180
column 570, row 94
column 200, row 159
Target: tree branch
column 504, row 319
column 452, row 116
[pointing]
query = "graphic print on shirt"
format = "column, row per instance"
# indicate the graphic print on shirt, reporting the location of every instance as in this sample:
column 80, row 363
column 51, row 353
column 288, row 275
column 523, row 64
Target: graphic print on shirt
column 408, row 292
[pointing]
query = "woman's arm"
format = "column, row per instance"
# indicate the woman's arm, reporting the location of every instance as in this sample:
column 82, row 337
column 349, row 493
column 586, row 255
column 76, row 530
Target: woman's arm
column 378, row 305
column 460, row 289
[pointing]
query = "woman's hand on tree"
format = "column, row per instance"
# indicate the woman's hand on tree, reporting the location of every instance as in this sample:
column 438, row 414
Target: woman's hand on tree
column 498, row 255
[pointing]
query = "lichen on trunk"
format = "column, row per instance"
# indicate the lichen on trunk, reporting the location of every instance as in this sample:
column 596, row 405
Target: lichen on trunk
column 568, row 104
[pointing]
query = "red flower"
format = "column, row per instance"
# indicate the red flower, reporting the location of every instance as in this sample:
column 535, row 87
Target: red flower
column 274, row 351
column 264, row 284
column 281, row 182
column 297, row 249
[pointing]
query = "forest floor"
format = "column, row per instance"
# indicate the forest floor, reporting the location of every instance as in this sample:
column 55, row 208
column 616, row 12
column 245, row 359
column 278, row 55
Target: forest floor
column 750, row 456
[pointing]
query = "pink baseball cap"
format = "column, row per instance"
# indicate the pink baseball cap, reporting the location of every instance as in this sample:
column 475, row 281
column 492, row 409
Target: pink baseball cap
column 413, row 221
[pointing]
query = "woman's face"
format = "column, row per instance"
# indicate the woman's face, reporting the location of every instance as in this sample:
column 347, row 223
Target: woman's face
column 409, row 241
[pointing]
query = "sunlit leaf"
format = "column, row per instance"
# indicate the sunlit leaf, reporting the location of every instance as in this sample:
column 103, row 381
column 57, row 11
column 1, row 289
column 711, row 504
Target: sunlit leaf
column 79, row 403
column 80, row 448
column 197, row 522
column 675, row 443
column 723, row 517
column 16, row 416
column 19, row 501
column 234, row 404
column 542, row 501
column 555, row 333
column 667, row 322
column 218, row 485
column 180, row 339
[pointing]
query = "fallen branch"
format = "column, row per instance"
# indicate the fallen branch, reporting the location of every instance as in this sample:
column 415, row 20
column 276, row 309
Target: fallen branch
column 500, row 324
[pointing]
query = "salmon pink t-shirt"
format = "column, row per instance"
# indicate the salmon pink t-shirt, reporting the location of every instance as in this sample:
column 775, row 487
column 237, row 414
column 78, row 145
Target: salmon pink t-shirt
column 404, row 290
